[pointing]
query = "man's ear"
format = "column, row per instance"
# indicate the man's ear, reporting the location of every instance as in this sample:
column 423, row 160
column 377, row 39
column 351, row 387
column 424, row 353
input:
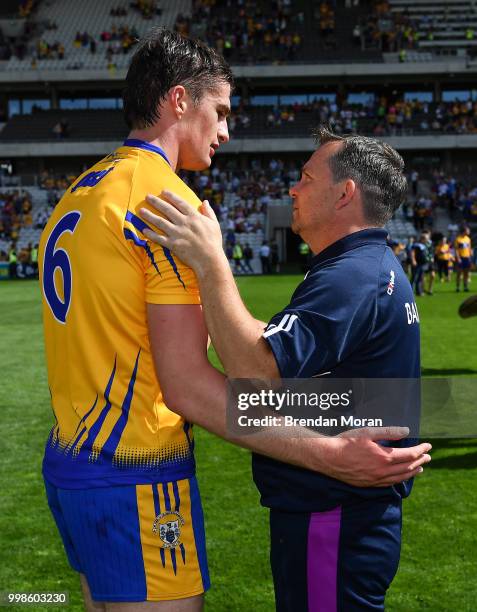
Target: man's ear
column 347, row 193
column 178, row 99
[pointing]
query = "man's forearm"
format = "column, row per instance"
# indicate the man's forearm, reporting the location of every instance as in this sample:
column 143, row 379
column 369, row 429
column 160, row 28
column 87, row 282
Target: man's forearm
column 359, row 462
column 235, row 333
column 203, row 401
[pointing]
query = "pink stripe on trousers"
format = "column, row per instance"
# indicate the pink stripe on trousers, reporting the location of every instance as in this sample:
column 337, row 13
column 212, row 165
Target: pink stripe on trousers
column 322, row 560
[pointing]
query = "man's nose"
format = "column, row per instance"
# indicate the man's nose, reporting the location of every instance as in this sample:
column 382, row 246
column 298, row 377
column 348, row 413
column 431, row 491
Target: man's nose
column 223, row 133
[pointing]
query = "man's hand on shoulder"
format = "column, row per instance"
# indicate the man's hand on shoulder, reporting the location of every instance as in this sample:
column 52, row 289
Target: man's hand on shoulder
column 195, row 237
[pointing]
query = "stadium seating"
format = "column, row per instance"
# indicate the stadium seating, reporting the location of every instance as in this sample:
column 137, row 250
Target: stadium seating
column 441, row 24
column 82, row 125
column 302, row 18
column 93, row 18
column 27, row 234
column 109, row 125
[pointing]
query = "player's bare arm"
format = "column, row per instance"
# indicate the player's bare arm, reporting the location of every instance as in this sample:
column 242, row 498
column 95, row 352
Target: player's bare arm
column 193, row 388
column 197, row 240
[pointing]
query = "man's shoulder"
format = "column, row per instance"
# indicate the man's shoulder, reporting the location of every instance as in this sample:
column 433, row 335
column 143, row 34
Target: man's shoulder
column 343, row 282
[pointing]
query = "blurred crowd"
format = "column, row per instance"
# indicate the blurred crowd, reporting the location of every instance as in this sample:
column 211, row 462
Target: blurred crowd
column 399, row 31
column 120, row 38
column 386, row 30
column 22, row 263
column 241, row 196
column 147, row 8
column 244, row 29
column 240, row 199
column 381, row 117
column 253, row 31
column 15, row 213
column 457, row 197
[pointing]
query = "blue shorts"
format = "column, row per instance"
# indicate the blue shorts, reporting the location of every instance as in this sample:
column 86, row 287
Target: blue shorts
column 464, row 263
column 136, row 542
column 342, row 560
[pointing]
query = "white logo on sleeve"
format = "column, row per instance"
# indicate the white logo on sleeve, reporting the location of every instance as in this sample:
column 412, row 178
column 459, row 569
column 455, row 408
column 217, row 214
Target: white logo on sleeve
column 390, row 288
column 284, row 325
column 411, row 312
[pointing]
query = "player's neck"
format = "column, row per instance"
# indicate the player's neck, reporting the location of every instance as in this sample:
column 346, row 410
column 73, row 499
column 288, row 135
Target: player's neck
column 163, row 140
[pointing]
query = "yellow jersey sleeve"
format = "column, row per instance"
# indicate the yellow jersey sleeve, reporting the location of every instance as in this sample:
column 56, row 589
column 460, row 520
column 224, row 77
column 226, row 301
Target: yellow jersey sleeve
column 167, row 279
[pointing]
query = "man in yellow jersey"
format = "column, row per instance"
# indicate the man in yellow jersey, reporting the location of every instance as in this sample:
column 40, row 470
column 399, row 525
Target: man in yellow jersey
column 443, row 255
column 125, row 338
column 463, row 253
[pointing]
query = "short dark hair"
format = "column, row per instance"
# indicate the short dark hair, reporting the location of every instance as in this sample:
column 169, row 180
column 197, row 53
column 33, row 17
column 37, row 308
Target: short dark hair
column 374, row 166
column 163, row 60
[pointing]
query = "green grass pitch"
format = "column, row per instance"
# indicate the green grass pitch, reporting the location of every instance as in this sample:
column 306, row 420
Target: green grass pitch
column 439, row 559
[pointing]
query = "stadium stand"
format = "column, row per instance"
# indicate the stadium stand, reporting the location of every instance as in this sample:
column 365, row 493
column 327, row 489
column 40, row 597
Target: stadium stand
column 440, row 23
column 17, row 226
column 100, row 35
column 285, row 31
column 77, row 125
column 297, row 63
column 242, row 198
column 91, row 19
column 382, row 118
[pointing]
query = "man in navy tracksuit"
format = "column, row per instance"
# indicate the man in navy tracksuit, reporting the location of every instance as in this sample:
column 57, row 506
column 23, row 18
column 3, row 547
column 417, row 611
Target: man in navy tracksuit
column 335, row 542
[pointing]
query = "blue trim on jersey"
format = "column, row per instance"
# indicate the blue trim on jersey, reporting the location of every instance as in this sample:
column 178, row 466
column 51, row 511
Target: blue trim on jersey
column 139, row 224
column 96, row 427
column 71, row 449
column 56, row 437
column 92, row 179
column 75, row 463
column 136, row 221
column 88, row 413
column 147, row 146
column 111, row 444
column 130, row 235
column 170, row 259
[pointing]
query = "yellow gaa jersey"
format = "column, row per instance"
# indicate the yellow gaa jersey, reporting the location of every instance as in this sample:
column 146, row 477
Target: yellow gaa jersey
column 443, row 252
column 463, row 246
column 97, row 273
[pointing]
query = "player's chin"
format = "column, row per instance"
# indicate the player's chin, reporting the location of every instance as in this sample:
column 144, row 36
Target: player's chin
column 200, row 164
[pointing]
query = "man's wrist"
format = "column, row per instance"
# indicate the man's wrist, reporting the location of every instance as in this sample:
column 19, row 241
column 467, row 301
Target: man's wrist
column 213, row 264
column 330, row 448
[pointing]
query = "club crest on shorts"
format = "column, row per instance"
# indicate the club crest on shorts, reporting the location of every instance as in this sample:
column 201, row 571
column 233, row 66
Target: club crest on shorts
column 168, row 527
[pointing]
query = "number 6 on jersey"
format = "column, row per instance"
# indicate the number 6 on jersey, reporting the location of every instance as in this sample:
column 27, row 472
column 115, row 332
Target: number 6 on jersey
column 58, row 258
